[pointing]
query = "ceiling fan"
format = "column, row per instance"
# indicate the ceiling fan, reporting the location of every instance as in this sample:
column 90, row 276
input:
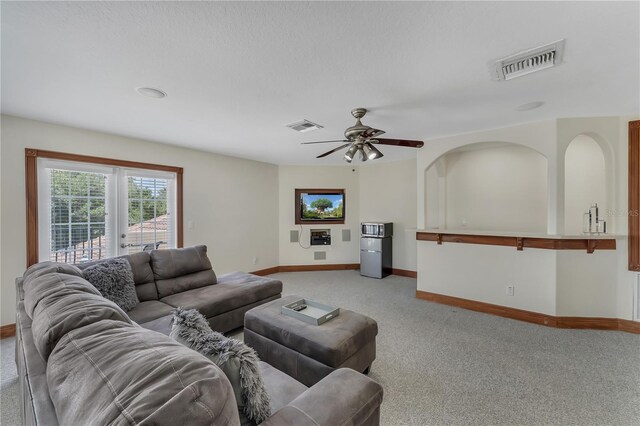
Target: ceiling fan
column 361, row 138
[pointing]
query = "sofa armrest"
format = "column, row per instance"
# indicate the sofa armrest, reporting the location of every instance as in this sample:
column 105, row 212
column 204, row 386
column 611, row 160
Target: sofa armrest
column 344, row 397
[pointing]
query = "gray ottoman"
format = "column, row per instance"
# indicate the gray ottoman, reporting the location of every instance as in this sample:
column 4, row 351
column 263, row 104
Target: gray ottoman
column 310, row 352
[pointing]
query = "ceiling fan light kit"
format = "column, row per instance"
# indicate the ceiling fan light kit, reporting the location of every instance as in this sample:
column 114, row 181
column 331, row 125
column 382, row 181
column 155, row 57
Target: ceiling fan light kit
column 351, row 152
column 363, row 156
column 360, row 138
column 372, row 152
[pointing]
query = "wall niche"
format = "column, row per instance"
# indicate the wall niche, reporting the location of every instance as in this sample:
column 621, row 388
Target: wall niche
column 585, row 183
column 488, row 186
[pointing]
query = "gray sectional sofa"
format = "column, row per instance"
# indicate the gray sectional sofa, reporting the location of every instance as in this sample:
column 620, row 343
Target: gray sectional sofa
column 166, row 279
column 82, row 360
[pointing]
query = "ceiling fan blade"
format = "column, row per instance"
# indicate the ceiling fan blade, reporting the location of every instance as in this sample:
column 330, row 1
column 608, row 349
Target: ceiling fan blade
column 308, row 143
column 400, row 142
column 372, row 133
column 334, row 150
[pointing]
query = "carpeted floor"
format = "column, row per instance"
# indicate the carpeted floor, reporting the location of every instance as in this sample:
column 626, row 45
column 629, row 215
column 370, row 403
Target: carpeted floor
column 9, row 414
column 442, row 365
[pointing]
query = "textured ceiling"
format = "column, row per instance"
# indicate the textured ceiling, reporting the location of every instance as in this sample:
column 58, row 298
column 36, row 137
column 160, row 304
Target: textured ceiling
column 236, row 73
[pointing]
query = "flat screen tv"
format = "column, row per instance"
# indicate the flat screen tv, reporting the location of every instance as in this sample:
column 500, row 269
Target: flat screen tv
column 320, row 206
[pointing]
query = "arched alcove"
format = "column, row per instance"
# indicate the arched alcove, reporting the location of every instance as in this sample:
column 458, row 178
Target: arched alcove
column 434, row 202
column 585, row 182
column 488, row 186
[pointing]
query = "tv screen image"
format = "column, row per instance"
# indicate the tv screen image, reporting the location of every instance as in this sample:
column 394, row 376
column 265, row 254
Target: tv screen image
column 318, row 206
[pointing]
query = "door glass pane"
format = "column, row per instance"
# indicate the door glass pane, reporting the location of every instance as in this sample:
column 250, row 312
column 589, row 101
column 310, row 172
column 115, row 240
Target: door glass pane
column 149, row 224
column 77, row 216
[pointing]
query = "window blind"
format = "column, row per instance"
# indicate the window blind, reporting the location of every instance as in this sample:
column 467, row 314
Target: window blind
column 77, row 206
column 150, row 219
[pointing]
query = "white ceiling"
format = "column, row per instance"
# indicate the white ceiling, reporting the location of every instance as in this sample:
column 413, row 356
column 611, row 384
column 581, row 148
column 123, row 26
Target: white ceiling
column 236, row 73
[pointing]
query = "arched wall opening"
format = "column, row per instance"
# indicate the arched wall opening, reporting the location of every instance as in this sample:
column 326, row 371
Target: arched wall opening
column 585, row 183
column 488, row 186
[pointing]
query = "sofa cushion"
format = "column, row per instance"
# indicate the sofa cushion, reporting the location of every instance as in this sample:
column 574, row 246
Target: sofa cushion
column 38, row 288
column 113, row 373
column 177, row 270
column 68, row 309
column 239, row 362
column 48, row 267
column 231, row 292
column 161, row 325
column 149, row 311
column 114, row 280
column 281, row 387
column 142, row 274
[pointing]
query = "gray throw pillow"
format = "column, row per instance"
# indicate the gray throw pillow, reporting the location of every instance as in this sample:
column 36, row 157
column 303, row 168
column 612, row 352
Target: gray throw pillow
column 239, row 362
column 114, row 280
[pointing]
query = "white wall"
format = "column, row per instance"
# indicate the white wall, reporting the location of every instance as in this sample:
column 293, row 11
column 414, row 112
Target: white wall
column 583, row 284
column 318, row 177
column 499, row 189
column 541, row 137
column 587, row 284
column 482, row 273
column 584, row 182
column 232, row 203
column 615, row 286
column 374, row 192
column 388, row 194
column 435, row 202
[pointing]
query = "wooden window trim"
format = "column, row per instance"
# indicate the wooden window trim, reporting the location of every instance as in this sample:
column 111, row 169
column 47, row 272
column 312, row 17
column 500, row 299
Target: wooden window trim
column 31, row 175
column 634, row 195
column 320, row 191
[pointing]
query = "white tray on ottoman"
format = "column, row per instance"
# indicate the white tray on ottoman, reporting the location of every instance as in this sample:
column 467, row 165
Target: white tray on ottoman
column 309, row 352
column 312, row 312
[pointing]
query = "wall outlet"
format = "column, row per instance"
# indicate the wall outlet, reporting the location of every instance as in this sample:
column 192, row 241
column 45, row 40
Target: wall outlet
column 511, row 290
column 255, row 260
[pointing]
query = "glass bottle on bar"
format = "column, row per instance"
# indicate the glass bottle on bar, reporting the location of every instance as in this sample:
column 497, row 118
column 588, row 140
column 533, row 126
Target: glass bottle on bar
column 586, row 222
column 594, row 218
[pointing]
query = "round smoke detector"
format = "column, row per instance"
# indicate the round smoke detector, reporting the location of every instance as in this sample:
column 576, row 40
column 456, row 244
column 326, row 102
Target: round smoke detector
column 150, row 92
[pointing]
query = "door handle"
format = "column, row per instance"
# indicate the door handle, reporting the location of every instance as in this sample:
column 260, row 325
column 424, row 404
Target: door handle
column 123, row 245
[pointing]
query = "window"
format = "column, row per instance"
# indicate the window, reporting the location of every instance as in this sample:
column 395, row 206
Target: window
column 148, row 214
column 98, row 208
column 75, row 222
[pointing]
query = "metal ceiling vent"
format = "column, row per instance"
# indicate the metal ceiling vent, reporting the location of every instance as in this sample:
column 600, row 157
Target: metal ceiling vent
column 528, row 61
column 303, row 126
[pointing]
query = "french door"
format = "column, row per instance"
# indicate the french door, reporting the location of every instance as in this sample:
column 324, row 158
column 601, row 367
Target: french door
column 90, row 212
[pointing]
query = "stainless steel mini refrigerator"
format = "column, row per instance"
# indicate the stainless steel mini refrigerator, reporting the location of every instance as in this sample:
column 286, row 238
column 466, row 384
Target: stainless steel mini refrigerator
column 375, row 256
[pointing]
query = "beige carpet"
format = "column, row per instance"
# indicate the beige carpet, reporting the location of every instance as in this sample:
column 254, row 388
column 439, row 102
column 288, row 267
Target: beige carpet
column 441, row 365
column 444, row 365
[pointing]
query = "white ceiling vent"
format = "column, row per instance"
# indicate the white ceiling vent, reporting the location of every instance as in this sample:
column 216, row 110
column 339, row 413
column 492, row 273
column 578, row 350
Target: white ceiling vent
column 528, row 61
column 303, row 126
